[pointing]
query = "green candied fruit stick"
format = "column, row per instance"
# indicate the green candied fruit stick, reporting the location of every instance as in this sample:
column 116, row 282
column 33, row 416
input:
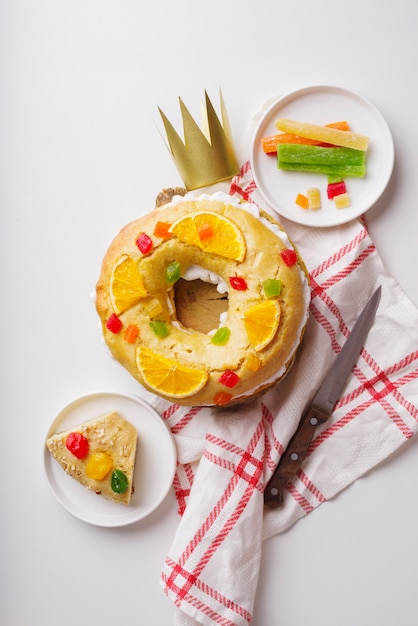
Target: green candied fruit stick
column 342, row 170
column 160, row 328
column 272, row 287
column 220, row 338
column 172, row 272
column 299, row 153
column 334, row 178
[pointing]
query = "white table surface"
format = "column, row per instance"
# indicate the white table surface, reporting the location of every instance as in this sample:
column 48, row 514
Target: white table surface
column 80, row 156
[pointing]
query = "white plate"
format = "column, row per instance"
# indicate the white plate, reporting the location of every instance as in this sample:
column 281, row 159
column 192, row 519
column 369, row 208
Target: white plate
column 155, row 461
column 323, row 105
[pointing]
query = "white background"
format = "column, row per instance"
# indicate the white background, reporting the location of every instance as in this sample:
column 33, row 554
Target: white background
column 80, row 156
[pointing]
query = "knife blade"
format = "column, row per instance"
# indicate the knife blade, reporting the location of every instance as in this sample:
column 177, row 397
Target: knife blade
column 319, row 409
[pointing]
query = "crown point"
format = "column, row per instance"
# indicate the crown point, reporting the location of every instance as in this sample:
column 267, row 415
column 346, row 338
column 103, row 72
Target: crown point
column 202, row 159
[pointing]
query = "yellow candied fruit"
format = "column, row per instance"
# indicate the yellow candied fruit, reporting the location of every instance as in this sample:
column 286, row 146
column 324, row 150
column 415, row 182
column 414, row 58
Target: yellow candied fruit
column 153, row 307
column 99, row 465
column 342, row 201
column 252, row 362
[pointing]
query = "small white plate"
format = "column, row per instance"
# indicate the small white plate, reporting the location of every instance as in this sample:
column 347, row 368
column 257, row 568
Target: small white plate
column 323, row 105
column 155, row 461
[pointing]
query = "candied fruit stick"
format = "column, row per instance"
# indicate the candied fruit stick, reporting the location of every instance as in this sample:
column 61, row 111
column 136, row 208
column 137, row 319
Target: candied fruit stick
column 342, row 170
column 270, row 143
column 334, row 178
column 290, row 153
column 334, row 136
column 314, row 198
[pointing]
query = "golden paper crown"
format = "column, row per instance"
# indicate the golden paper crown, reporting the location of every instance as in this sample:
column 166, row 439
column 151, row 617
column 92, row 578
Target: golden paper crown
column 203, row 158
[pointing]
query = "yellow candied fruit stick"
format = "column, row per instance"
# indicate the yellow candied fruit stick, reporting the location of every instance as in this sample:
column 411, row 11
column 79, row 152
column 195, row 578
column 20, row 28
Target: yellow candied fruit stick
column 252, row 362
column 314, row 197
column 324, row 134
column 342, row 201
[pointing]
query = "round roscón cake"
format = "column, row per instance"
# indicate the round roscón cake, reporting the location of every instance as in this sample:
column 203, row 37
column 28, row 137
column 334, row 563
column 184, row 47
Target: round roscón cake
column 204, row 300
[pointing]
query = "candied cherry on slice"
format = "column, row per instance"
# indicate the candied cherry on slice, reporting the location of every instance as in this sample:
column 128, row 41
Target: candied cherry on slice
column 144, row 243
column 289, row 257
column 78, row 445
column 119, row 481
column 229, row 379
column 99, row 465
column 238, row 283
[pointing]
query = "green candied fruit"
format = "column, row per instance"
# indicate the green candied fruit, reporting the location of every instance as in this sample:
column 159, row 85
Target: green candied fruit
column 272, row 287
column 172, row 272
column 119, row 481
column 221, row 336
column 160, row 328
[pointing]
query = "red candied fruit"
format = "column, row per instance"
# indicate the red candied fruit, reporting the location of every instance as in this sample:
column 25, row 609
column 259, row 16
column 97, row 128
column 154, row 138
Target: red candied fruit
column 78, row 445
column 238, row 283
column 144, row 243
column 229, row 379
column 335, row 189
column 114, row 324
column 289, row 257
column 222, row 398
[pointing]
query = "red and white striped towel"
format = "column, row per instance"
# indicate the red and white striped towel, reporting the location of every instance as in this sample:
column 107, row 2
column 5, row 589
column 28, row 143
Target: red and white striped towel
column 226, row 457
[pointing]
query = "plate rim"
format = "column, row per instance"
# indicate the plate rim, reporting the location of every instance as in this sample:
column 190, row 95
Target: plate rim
column 293, row 95
column 108, row 521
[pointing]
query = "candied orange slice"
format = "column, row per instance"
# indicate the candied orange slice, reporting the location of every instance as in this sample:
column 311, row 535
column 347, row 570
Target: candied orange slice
column 211, row 232
column 126, row 284
column 168, row 376
column 261, row 323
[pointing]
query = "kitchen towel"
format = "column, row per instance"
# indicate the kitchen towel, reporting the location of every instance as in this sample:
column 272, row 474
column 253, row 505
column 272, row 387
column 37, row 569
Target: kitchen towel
column 226, row 456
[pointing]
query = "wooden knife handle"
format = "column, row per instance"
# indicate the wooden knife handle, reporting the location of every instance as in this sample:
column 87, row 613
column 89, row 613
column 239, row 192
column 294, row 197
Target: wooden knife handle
column 293, row 456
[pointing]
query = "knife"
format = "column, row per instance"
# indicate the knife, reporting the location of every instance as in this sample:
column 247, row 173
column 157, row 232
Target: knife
column 319, row 409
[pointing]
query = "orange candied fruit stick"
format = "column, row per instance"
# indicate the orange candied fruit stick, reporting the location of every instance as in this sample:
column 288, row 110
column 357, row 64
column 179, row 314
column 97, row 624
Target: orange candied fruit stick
column 131, row 333
column 302, row 201
column 162, row 229
column 269, row 144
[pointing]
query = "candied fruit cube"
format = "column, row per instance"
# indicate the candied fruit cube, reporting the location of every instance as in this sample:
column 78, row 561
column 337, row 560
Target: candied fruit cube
column 220, row 338
column 342, row 201
column 229, row 379
column 252, row 362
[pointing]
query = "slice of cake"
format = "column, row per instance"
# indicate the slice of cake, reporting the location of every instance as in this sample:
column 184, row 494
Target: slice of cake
column 99, row 454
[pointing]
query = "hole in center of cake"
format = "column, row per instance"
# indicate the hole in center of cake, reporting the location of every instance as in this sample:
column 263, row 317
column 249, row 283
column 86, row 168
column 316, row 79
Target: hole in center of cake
column 199, row 304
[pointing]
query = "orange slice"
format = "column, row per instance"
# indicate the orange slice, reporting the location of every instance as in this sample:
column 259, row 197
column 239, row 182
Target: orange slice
column 211, row 232
column 167, row 376
column 261, row 323
column 126, row 284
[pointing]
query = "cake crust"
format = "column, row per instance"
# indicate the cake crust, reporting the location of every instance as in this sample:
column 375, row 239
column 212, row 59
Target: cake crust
column 195, row 349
